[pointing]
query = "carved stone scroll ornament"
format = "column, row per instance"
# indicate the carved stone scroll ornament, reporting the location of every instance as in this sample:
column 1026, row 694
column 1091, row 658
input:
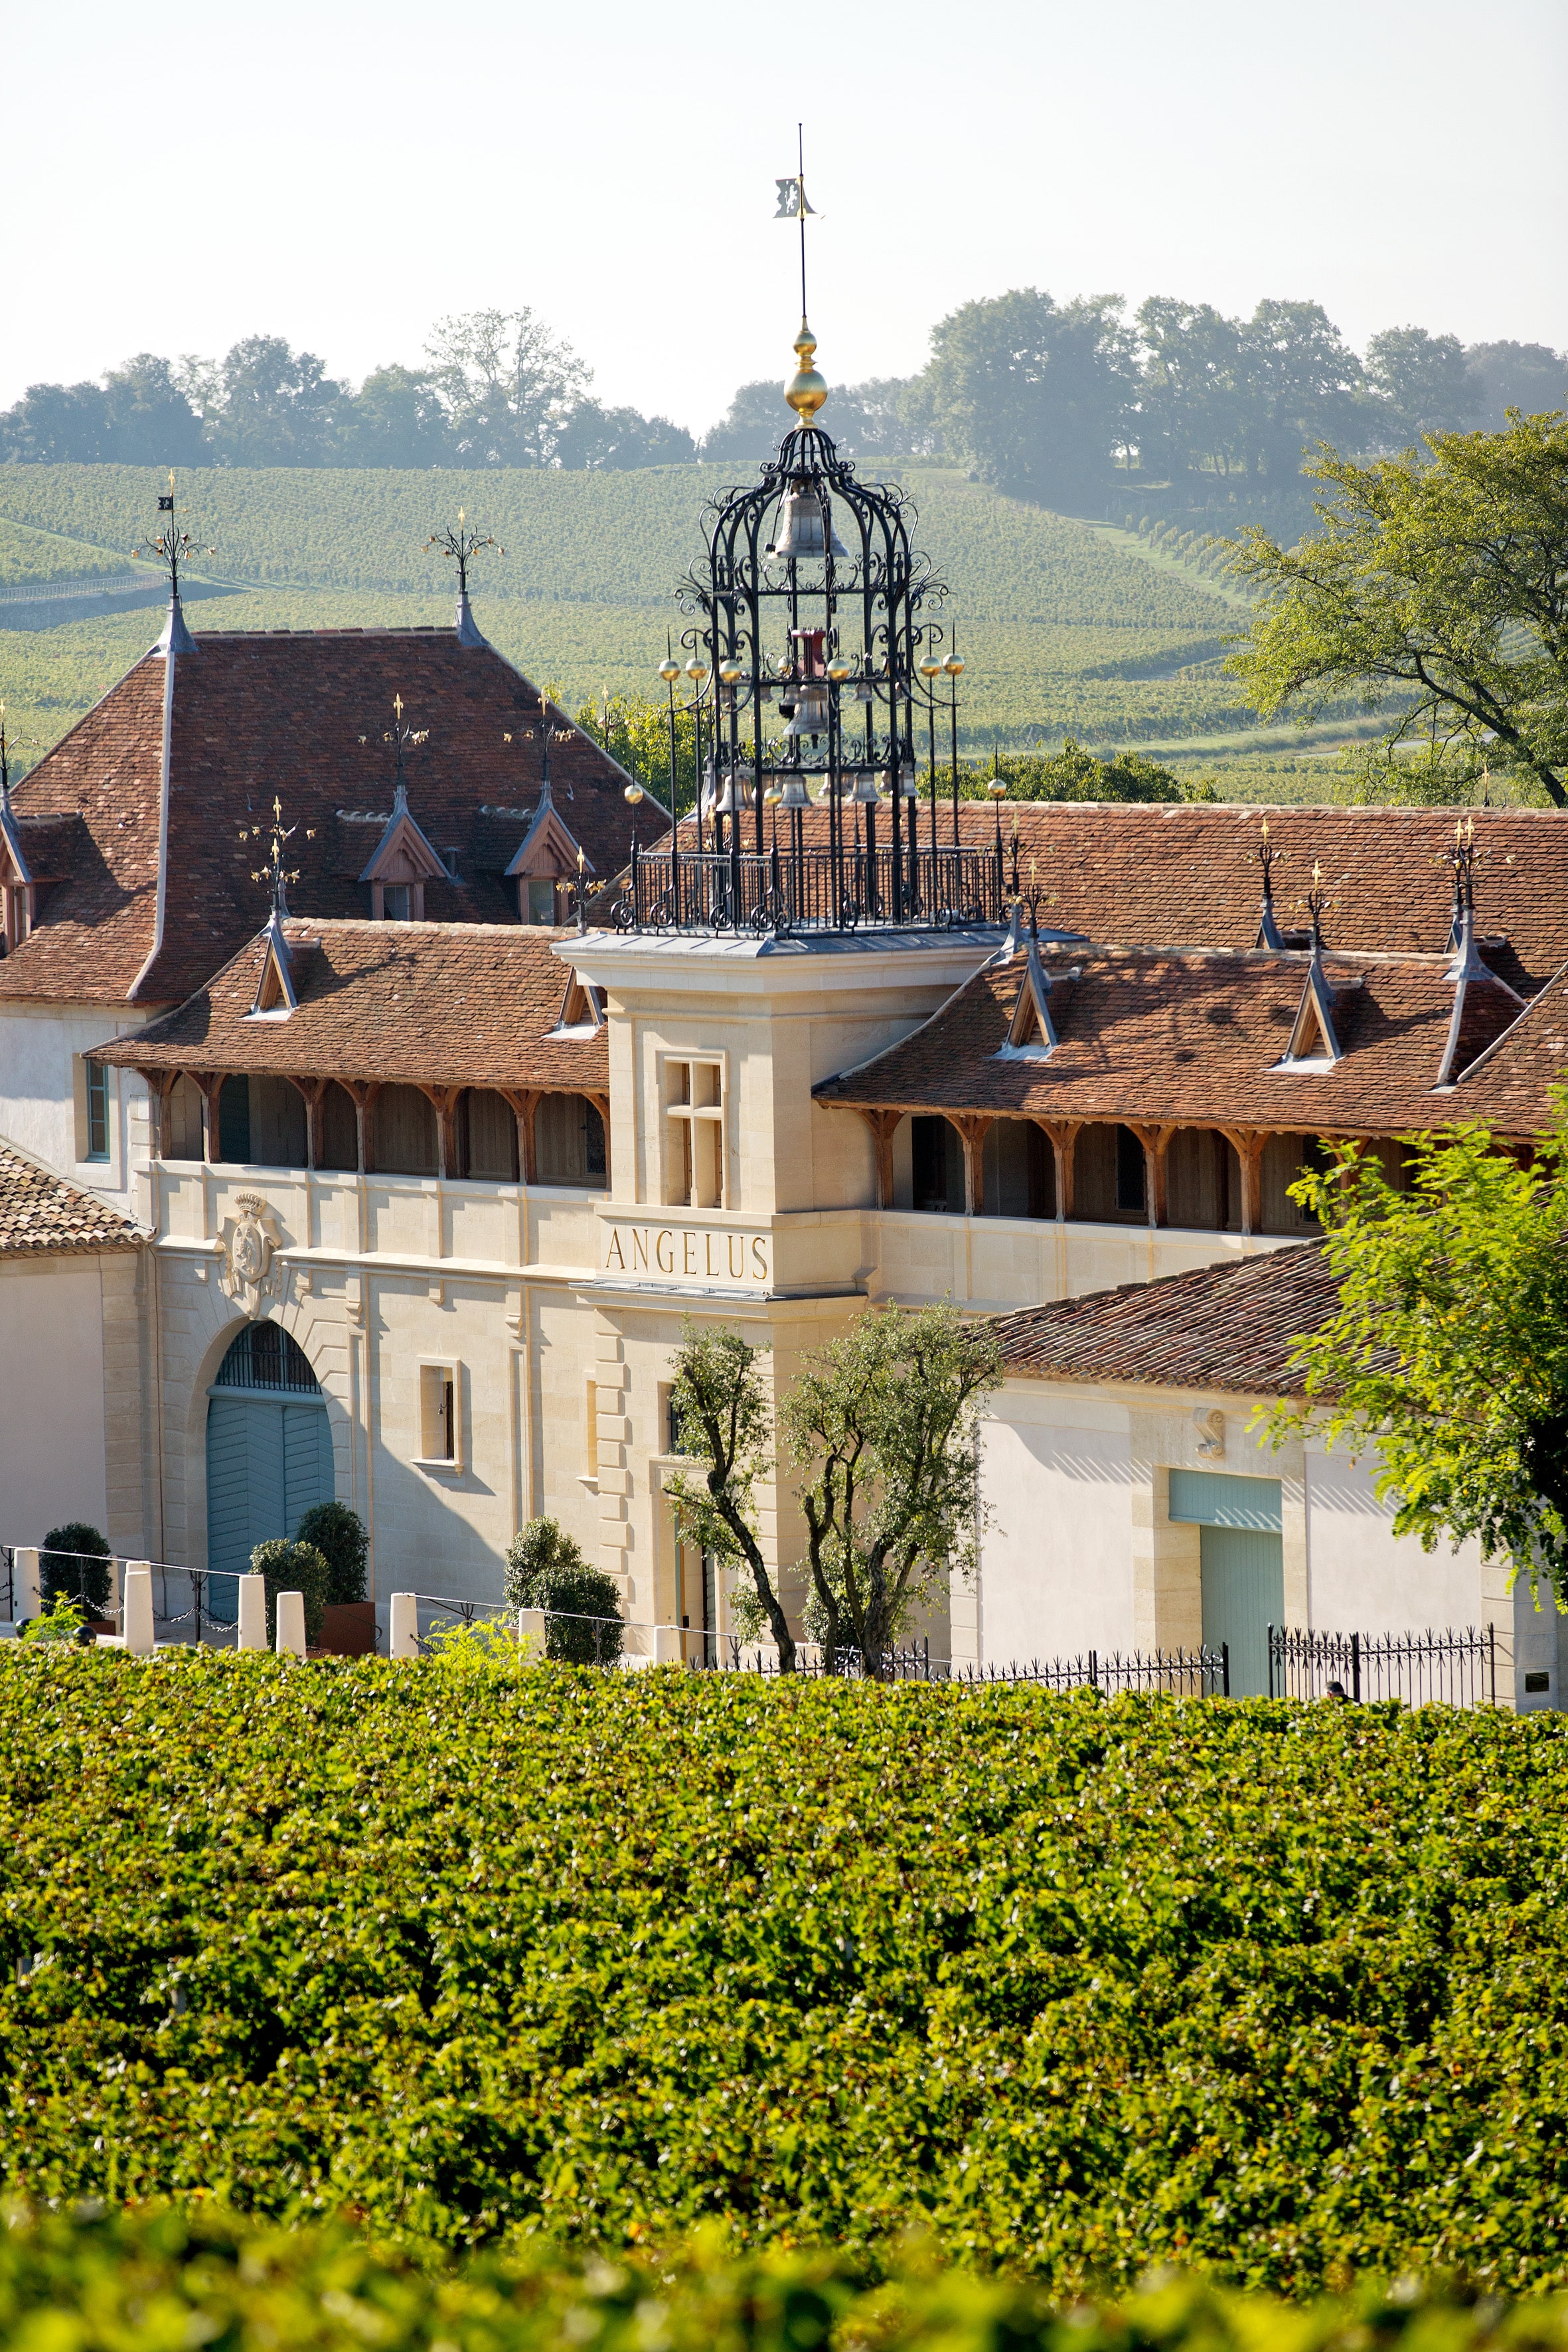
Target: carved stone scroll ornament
column 1209, row 1422
column 250, row 1268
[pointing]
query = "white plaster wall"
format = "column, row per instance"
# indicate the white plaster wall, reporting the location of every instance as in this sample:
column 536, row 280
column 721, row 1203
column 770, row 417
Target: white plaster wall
column 52, row 1454
column 39, row 1047
column 1364, row 1578
column 1055, row 1571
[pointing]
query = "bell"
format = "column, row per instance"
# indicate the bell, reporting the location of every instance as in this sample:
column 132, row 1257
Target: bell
column 810, row 713
column 867, row 791
column 796, row 796
column 805, row 530
column 725, row 803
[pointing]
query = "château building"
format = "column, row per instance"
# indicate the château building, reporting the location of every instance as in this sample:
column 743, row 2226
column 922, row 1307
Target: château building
column 413, row 1158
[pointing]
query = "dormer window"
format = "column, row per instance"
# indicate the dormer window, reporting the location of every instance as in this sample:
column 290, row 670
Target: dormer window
column 397, row 902
column 537, row 900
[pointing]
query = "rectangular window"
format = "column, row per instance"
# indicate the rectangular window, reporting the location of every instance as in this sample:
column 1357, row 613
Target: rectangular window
column 538, row 900
column 694, row 1134
column 591, row 1428
column 395, row 903
column 233, row 1123
column 96, row 1109
column 1131, row 1174
column 439, row 1414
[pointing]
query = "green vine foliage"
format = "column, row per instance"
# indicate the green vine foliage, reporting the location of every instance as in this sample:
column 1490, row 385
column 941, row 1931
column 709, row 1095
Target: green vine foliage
column 163, row 2279
column 1067, row 1987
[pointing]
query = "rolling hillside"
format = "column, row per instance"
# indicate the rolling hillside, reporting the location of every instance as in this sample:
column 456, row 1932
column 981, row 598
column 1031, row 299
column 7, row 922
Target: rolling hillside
column 1064, row 631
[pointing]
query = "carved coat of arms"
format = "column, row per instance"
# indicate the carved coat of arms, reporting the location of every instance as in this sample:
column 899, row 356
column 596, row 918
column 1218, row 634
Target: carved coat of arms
column 250, row 1269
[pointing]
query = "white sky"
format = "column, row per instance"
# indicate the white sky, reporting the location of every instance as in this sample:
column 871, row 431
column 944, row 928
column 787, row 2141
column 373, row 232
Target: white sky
column 343, row 174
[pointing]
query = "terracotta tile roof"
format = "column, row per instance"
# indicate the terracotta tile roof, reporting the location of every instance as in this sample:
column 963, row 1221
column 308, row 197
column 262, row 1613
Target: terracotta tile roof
column 1229, row 1325
column 1194, row 1037
column 437, row 1003
column 284, row 713
column 43, row 1216
column 1183, row 875
column 1509, row 1083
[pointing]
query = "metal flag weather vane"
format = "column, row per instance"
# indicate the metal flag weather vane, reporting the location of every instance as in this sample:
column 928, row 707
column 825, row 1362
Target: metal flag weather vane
column 172, row 546
column 793, row 205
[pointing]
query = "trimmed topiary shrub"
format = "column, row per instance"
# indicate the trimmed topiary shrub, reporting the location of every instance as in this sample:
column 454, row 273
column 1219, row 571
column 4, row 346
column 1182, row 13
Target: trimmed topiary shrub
column 339, row 1535
column 545, row 1569
column 289, row 1565
column 75, row 1561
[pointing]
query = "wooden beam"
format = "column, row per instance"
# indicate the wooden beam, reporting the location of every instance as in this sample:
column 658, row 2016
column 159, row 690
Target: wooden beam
column 973, row 1130
column 362, row 1093
column 1156, row 1142
column 1248, row 1143
column 1062, row 1135
column 883, row 1124
column 315, row 1093
column 160, row 1085
column 525, row 1101
column 210, row 1085
column 444, row 1100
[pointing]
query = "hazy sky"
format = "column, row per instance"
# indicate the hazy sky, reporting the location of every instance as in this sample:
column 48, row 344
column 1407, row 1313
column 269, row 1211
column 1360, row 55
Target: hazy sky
column 342, row 174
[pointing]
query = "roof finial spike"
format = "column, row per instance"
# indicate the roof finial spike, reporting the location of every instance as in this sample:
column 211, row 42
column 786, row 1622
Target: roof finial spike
column 462, row 545
column 397, row 736
column 1268, row 857
column 805, row 391
column 171, row 547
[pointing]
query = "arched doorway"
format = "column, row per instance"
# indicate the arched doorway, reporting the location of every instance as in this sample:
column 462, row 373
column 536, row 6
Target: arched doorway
column 270, row 1449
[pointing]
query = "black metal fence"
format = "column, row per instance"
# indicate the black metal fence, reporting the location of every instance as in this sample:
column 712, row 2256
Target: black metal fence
column 189, row 1604
column 812, row 888
column 1453, row 1666
column 1183, row 1674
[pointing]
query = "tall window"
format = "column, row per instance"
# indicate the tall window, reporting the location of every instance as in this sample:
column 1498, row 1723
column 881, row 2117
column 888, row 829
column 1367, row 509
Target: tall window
column 694, row 1134
column 397, row 902
column 97, row 1111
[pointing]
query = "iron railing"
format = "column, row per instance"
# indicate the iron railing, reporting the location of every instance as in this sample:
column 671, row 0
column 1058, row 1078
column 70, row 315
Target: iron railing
column 1183, row 1674
column 1451, row 1667
column 815, row 888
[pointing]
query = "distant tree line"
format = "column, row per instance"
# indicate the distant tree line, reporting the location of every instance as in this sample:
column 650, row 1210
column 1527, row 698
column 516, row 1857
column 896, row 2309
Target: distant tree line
column 1058, row 402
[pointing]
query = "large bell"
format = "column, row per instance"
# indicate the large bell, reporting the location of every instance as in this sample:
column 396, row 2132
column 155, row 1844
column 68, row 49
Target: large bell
column 796, row 796
column 810, row 713
column 867, row 789
column 806, row 529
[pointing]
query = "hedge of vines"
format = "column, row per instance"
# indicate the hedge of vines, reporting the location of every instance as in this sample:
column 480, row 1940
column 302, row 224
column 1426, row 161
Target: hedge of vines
column 1069, row 1985
column 168, row 2279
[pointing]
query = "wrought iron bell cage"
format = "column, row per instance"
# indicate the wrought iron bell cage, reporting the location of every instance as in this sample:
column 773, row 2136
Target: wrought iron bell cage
column 807, row 618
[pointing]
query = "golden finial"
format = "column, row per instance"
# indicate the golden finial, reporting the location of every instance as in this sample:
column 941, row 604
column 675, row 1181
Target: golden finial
column 805, row 391
column 398, row 705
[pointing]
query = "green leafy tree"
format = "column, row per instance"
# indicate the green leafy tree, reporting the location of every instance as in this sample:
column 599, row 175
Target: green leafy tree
column 545, row 1569
column 721, row 1409
column 1190, row 401
column 1034, row 391
column 396, row 418
column 74, row 1563
column 275, row 407
column 1448, row 1351
column 1074, row 774
column 339, row 1535
column 509, row 385
column 635, row 729
column 883, row 1423
column 1298, row 384
column 286, row 1565
column 1528, row 376
column 1441, row 585
column 1420, row 383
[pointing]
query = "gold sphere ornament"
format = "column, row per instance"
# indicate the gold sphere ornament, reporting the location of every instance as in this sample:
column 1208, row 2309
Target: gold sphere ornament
column 953, row 665
column 730, row 673
column 997, row 789
column 669, row 670
column 634, row 793
column 697, row 670
column 806, row 390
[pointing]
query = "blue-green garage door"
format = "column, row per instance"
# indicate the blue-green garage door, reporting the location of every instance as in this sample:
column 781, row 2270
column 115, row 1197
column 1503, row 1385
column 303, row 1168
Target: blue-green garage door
column 269, row 1450
column 1242, row 1566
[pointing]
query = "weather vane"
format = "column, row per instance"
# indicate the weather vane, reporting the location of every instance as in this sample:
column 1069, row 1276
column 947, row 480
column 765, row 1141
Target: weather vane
column 462, row 545
column 1316, row 903
column 273, row 872
column 172, row 546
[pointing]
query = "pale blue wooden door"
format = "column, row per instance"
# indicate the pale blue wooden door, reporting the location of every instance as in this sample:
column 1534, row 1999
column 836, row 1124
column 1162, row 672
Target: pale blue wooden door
column 267, row 1465
column 1243, row 1573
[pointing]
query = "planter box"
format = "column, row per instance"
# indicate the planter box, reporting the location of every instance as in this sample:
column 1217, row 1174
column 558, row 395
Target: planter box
column 347, row 1630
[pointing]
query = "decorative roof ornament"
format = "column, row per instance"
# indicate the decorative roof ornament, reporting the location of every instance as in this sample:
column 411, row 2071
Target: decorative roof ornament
column 404, row 853
column 275, row 991
column 171, row 547
column 462, row 545
column 398, row 735
column 806, row 391
column 1268, row 856
column 1467, row 969
column 1313, row 1039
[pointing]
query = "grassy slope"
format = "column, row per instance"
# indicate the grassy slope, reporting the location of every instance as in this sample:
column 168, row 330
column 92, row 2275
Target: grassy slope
column 1077, row 1986
column 1064, row 629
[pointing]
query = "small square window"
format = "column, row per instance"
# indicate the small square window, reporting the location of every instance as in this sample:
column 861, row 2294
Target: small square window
column 96, row 1109
column 538, row 900
column 440, row 1419
column 694, row 1134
